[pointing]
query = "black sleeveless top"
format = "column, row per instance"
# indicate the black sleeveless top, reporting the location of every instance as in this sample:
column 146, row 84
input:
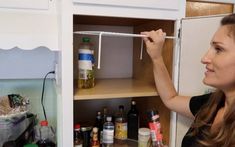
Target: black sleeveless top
column 195, row 105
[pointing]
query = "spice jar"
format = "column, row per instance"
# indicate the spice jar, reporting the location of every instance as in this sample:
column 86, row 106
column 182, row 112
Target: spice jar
column 143, row 137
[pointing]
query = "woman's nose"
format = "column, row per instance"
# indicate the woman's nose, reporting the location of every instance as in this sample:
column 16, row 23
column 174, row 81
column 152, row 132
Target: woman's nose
column 206, row 58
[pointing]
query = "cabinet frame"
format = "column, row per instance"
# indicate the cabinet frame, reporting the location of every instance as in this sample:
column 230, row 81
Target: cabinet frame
column 151, row 4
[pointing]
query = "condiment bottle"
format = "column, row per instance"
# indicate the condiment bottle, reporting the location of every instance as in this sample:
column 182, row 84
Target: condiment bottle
column 120, row 124
column 95, row 142
column 108, row 133
column 133, row 122
column 77, row 136
column 154, row 125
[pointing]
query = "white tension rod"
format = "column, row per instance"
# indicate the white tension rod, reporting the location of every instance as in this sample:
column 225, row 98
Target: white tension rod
column 100, row 34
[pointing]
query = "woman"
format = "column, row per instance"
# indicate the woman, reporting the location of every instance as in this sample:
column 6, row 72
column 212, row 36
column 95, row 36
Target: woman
column 213, row 114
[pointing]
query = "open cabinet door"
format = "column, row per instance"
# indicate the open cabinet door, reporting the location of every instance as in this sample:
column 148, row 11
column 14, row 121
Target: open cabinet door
column 196, row 35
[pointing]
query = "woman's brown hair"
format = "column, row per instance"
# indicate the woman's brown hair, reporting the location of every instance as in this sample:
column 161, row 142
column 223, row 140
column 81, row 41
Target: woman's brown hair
column 224, row 136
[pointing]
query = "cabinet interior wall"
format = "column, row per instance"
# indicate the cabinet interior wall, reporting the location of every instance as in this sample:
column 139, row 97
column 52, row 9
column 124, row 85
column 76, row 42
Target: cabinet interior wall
column 127, row 66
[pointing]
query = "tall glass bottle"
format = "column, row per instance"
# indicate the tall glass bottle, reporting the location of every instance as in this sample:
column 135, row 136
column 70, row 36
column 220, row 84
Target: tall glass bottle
column 99, row 123
column 120, row 124
column 86, row 78
column 133, row 122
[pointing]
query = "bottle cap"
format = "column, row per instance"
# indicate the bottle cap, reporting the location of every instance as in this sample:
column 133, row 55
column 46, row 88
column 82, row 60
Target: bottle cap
column 153, row 114
column 44, row 123
column 86, row 128
column 109, row 118
column 133, row 102
column 95, row 130
column 77, row 126
column 144, row 131
column 85, row 39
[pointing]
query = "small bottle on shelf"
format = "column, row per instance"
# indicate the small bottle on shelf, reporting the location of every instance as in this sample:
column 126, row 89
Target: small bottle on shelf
column 104, row 117
column 86, row 78
column 133, row 122
column 108, row 133
column 94, row 141
column 154, row 125
column 120, row 124
column 77, row 136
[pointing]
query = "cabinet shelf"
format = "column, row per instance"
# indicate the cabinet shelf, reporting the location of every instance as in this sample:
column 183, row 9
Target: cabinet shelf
column 116, row 88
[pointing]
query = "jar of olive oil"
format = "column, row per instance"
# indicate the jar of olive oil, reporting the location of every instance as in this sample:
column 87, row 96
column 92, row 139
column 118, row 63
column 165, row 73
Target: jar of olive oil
column 86, row 76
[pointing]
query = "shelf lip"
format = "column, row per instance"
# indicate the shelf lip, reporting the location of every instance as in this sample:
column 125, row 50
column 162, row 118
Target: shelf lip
column 116, row 88
column 112, row 96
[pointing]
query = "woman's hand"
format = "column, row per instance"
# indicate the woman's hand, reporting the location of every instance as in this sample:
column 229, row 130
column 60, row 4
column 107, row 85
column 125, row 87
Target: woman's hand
column 154, row 41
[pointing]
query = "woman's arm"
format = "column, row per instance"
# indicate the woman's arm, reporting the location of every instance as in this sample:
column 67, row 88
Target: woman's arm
column 154, row 44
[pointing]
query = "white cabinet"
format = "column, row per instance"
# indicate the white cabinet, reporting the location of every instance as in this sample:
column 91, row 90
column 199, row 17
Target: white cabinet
column 25, row 4
column 31, row 26
column 138, row 16
column 28, row 31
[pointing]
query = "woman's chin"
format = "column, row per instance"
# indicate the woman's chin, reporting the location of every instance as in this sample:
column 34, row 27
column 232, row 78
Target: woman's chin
column 208, row 82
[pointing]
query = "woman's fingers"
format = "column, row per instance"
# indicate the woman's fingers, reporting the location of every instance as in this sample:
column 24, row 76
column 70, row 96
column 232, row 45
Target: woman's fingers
column 154, row 36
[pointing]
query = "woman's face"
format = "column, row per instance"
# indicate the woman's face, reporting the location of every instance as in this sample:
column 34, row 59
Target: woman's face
column 220, row 60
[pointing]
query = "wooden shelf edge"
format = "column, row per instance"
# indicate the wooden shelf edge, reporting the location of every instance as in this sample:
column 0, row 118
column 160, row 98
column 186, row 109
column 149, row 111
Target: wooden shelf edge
column 116, row 88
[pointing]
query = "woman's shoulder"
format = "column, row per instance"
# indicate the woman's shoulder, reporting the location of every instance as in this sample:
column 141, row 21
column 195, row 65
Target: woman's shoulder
column 196, row 102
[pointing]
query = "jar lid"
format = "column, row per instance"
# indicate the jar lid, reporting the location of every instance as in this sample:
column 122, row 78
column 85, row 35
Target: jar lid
column 144, row 131
column 83, row 129
column 95, row 130
column 77, row 126
column 85, row 39
column 109, row 118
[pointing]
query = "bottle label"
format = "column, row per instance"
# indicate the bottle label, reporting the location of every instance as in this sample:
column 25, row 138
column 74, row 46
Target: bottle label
column 154, row 130
column 120, row 130
column 108, row 136
column 86, row 64
column 85, row 59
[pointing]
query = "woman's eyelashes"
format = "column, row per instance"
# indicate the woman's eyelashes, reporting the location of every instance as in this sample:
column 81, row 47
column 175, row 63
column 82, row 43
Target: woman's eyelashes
column 218, row 49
